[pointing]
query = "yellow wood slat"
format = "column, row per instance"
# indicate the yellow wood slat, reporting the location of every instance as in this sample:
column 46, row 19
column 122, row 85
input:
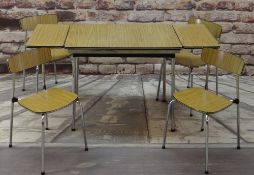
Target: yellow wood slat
column 29, row 59
column 61, row 53
column 202, row 100
column 195, row 36
column 29, row 23
column 48, row 100
column 225, row 61
column 48, row 35
column 186, row 58
column 214, row 29
column 122, row 36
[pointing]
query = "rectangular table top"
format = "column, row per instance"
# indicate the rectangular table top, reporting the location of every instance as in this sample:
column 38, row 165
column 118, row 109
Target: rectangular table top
column 48, row 35
column 195, row 36
column 124, row 36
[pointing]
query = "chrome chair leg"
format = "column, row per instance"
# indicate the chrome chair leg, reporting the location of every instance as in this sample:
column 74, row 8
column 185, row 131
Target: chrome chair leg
column 46, row 121
column 159, row 83
column 73, row 126
column 216, row 80
column 37, row 78
column 24, row 80
column 11, row 124
column 43, row 76
column 83, row 125
column 206, row 144
column 166, row 124
column 202, row 122
column 191, row 85
column 55, row 73
column 164, row 74
column 189, row 78
column 43, row 145
column 173, row 124
column 238, row 127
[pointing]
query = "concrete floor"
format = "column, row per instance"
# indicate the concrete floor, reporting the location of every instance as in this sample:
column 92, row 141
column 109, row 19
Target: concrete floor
column 121, row 111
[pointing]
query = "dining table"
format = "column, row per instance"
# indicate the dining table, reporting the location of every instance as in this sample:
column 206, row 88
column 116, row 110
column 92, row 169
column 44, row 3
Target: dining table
column 122, row 40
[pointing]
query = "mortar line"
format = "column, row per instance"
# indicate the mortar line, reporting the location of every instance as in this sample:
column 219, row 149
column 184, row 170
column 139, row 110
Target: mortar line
column 145, row 108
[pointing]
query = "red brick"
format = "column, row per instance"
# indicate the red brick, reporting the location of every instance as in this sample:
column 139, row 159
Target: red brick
column 45, row 4
column 105, row 5
column 155, row 4
column 226, row 5
column 65, row 4
column 86, row 4
column 146, row 16
column 106, row 15
column 7, row 4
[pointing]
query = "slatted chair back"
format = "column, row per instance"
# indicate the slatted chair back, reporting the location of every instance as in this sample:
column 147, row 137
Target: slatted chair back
column 214, row 29
column 225, row 61
column 29, row 23
column 29, row 59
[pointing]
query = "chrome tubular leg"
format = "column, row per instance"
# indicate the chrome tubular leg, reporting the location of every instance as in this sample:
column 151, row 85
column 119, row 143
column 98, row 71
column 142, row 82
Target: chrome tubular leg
column 46, row 122
column 238, row 111
column 37, row 78
column 166, row 124
column 159, row 83
column 11, row 124
column 83, row 125
column 164, row 80
column 75, row 90
column 43, row 76
column 173, row 124
column 24, row 80
column 173, row 77
column 43, row 145
column 55, row 72
column 202, row 122
column 189, row 78
column 206, row 144
column 216, row 80
column 191, row 85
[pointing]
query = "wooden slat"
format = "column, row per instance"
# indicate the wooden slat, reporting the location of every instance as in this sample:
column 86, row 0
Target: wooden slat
column 48, row 35
column 48, row 100
column 195, row 36
column 122, row 36
column 225, row 61
column 29, row 23
column 202, row 100
column 214, row 29
column 29, row 59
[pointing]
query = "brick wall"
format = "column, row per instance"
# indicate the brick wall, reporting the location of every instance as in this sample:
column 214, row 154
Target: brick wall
column 236, row 17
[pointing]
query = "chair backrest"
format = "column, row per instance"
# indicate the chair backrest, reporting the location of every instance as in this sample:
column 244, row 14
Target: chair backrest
column 224, row 61
column 29, row 59
column 29, row 23
column 214, row 29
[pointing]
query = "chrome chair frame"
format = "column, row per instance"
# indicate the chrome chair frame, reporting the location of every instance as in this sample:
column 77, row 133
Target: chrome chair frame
column 44, row 119
column 205, row 118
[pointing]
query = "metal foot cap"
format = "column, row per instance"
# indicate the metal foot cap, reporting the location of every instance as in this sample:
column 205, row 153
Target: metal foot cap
column 86, row 149
column 10, row 145
column 201, row 129
column 173, row 130
column 191, row 115
column 47, row 128
column 42, row 173
column 23, row 90
column 238, row 147
column 73, row 129
column 164, row 100
column 56, row 82
column 157, row 99
column 163, row 147
column 206, row 172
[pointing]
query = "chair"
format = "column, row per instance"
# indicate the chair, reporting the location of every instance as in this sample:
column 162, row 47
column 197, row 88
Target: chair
column 190, row 60
column 205, row 101
column 29, row 24
column 45, row 101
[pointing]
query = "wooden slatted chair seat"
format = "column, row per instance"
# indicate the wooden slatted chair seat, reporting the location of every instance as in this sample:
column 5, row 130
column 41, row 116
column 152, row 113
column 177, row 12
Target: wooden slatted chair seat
column 188, row 59
column 49, row 100
column 202, row 100
column 59, row 53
